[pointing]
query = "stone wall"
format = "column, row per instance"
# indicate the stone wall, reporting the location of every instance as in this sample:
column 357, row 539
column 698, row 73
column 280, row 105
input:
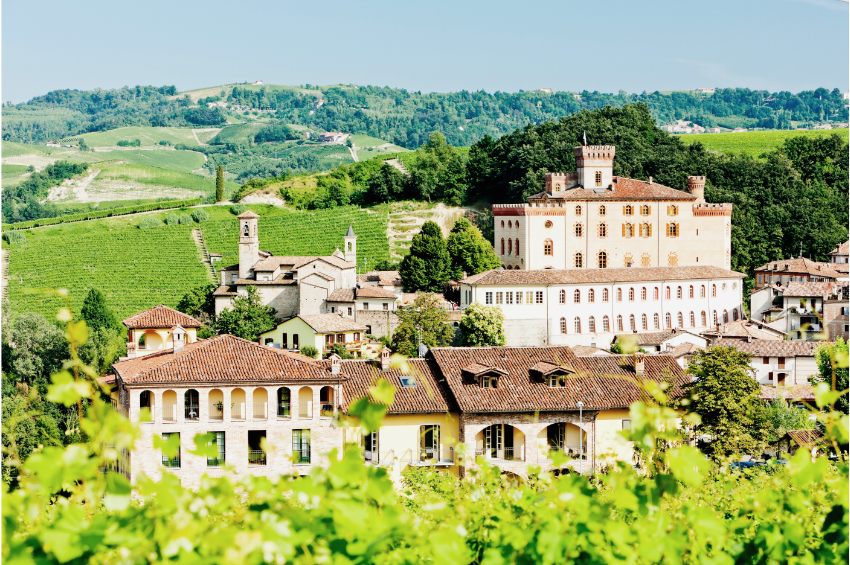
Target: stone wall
column 382, row 323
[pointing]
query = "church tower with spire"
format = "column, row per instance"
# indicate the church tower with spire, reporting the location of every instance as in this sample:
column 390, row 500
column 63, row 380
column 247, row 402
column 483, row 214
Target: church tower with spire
column 350, row 246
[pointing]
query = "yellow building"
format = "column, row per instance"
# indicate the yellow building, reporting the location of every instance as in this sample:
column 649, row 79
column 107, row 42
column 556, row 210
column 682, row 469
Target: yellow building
column 321, row 331
column 158, row 329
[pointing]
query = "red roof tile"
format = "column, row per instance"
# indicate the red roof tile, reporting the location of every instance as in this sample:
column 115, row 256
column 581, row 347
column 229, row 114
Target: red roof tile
column 579, row 276
column 796, row 392
column 623, row 189
column 161, row 317
column 772, row 347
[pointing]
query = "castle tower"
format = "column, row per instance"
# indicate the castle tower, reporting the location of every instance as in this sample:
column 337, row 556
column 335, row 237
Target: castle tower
column 696, row 186
column 249, row 243
column 595, row 166
column 350, row 246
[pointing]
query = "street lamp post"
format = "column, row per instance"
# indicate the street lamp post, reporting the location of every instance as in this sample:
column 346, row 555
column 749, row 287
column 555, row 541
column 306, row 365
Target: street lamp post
column 580, row 405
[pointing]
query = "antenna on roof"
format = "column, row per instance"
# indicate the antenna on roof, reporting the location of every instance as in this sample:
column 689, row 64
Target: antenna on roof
column 585, row 138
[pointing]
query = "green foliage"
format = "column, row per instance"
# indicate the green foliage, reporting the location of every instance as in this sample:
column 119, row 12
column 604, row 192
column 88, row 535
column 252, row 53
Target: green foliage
column 172, row 219
column 468, row 251
column 103, row 348
column 149, row 222
column 33, row 350
column 428, row 486
column 783, row 417
column 340, row 350
column 104, row 213
column 385, row 185
column 275, row 132
column 754, row 143
column 832, row 360
column 35, row 188
column 200, row 215
column 482, row 326
column 184, row 219
column 248, row 317
column 14, row 237
column 725, row 397
column 309, row 351
column 219, row 184
column 125, row 143
column 237, row 209
column 204, row 116
column 421, row 322
column 199, row 302
column 96, row 312
column 426, row 268
column 25, row 429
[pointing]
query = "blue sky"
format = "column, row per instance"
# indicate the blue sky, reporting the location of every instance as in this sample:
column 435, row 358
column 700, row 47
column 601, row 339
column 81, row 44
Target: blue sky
column 604, row 45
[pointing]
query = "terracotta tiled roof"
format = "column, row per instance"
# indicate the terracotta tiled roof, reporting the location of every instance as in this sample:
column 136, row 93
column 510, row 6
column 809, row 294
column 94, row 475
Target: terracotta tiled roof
column 808, row 289
column 623, row 189
column 330, row 323
column 318, row 274
column 796, row 392
column 600, row 382
column 772, row 347
column 284, row 279
column 586, row 350
column 681, row 349
column 653, row 338
column 383, row 278
column 342, row 295
column 374, row 292
column 744, row 329
column 842, row 249
column 161, row 317
column 578, row 276
column 806, row 438
column 430, row 395
column 225, row 290
column 841, row 268
column 247, row 214
column 272, row 263
column 224, row 358
column 800, row 265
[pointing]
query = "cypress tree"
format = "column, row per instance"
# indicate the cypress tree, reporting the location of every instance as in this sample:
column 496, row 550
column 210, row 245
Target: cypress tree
column 219, row 184
column 427, row 265
column 96, row 313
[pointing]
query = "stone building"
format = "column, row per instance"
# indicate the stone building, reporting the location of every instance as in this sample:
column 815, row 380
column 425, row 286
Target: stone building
column 158, row 329
column 592, row 219
column 803, row 310
column 795, row 270
column 778, row 363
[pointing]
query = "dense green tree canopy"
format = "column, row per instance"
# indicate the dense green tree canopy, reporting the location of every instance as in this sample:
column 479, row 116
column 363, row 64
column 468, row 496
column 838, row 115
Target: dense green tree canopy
column 427, row 266
column 425, row 322
column 96, row 312
column 482, row 326
column 468, row 251
column 33, row 350
column 832, row 360
column 248, row 317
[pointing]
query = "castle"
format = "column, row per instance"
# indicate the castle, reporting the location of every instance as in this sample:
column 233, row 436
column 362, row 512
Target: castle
column 592, row 219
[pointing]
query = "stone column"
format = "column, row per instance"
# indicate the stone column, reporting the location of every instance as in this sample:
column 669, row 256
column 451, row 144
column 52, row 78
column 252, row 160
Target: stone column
column 156, row 413
column 226, row 410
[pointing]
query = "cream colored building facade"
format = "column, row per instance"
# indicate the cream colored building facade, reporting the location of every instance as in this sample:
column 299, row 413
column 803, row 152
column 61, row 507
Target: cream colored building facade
column 592, row 219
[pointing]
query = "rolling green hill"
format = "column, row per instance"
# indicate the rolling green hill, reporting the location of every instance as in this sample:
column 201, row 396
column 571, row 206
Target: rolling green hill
column 754, row 143
column 147, row 135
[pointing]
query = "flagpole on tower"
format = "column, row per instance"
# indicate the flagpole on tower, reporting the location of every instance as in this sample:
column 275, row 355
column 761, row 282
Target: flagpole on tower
column 585, row 139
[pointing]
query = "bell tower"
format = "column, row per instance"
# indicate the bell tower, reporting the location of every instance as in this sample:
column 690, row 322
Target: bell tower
column 249, row 243
column 595, row 166
column 350, row 246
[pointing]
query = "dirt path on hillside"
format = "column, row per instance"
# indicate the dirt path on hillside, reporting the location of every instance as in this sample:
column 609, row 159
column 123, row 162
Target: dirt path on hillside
column 353, row 151
column 72, row 189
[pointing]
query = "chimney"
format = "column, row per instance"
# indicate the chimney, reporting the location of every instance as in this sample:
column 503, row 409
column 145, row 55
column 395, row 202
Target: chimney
column 177, row 338
column 640, row 369
column 696, row 186
column 335, row 364
column 385, row 359
column 650, row 180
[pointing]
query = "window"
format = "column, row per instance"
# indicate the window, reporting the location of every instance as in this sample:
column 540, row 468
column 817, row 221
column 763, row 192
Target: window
column 510, row 224
column 691, row 291
column 577, row 324
column 547, row 247
column 488, row 381
column 680, row 320
column 579, row 230
column 643, row 293
column 714, row 317
column 632, row 322
column 488, row 298
column 498, row 298
column 356, row 336
column 602, row 259
column 172, row 462
column 734, row 314
column 765, row 360
column 605, row 326
column 577, row 296
column 365, row 305
column 510, row 246
column 702, row 291
column 725, row 317
column 591, row 325
column 602, row 210
column 578, row 210
column 678, row 292
column 693, row 320
column 598, row 178
column 667, row 293
column 294, row 341
column 349, row 311
column 509, row 297
column 591, row 295
column 672, row 229
column 631, row 295
column 516, row 247
column 668, row 321
column 628, row 230
column 646, row 230
column 655, row 321
column 604, row 295
column 503, row 246
column 713, row 290
column 340, row 338
column 619, row 323
column 643, row 323
column 627, row 260
column 603, row 230
column 672, row 210
column 562, row 297
column 218, row 442
column 301, row 447
column 578, row 261
column 628, row 210
column 503, row 223
column 548, row 224
column 386, row 306
column 627, row 424
column 329, row 340
column 780, row 362
column 538, row 297
column 702, row 319
column 528, row 297
column 645, row 210
column 429, row 441
column 644, row 260
column 234, row 278
column 619, row 295
column 563, row 325
column 672, row 260
column 759, row 279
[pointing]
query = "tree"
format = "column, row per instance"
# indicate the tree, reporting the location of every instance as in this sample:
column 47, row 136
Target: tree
column 832, row 360
column 482, row 326
column 96, row 313
column 248, row 318
column 340, row 350
column 724, row 395
column 33, row 350
column 103, row 348
column 426, row 267
column 784, row 417
column 386, row 184
column 199, row 302
column 423, row 320
column 24, row 429
column 309, row 351
column 219, row 184
column 468, row 251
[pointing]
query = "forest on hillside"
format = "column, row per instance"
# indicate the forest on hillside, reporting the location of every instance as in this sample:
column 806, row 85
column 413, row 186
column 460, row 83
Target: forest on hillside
column 403, row 117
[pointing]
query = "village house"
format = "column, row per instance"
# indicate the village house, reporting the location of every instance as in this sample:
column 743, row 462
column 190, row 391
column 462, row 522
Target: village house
column 592, row 219
column 321, row 331
column 742, row 330
column 158, row 329
column 795, row 270
column 778, row 363
column 803, row 310
column 591, row 306
column 659, row 342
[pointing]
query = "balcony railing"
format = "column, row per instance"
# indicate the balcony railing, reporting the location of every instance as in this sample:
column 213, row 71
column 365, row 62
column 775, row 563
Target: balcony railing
column 432, row 456
column 284, row 410
column 327, row 411
column 256, row 457
column 237, row 412
column 373, row 457
column 571, row 451
column 301, row 456
column 305, row 410
column 169, row 413
column 215, row 461
column 504, row 453
column 259, row 411
column 216, row 413
column 192, row 412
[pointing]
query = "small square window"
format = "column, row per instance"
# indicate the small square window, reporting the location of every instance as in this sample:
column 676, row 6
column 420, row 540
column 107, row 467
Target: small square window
column 627, row 425
column 407, row 382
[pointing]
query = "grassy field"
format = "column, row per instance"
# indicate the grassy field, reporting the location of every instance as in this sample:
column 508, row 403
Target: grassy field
column 12, row 149
column 237, row 133
column 366, row 154
column 754, row 143
column 117, row 177
column 205, row 135
column 147, row 136
column 14, row 170
column 180, row 161
column 366, row 141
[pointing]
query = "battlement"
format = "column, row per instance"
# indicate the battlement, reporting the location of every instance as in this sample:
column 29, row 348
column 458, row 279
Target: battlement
column 595, row 152
column 707, row 209
column 558, row 182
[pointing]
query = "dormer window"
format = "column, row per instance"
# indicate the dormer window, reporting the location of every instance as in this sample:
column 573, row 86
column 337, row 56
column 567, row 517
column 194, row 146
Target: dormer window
column 557, row 381
column 488, row 381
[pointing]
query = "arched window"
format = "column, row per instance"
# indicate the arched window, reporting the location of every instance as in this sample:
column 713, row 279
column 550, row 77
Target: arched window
column 192, row 404
column 693, row 320
column 591, row 295
column 672, row 260
column 503, row 246
column 713, row 290
column 619, row 323
column 591, row 325
column 547, row 247
column 628, row 210
column 643, row 293
column 503, row 223
column 563, row 325
column 577, row 296
column 562, row 297
column 577, row 324
column 734, row 314
column 628, row 230
column 604, row 295
column 643, row 322
column 680, row 320
column 672, row 210
column 668, row 321
column 516, row 247
column 598, row 178
column 605, row 326
column 645, row 210
column 603, row 230
column 579, row 230
column 725, row 317
column 655, row 321
column 632, row 322
column 510, row 225
column 631, row 295
column 578, row 210
column 602, row 259
column 578, row 261
column 714, row 315
column 655, row 293
column 691, row 291
column 646, row 230
column 510, row 246
column 702, row 292
column 602, row 210
column 619, row 295
column 679, row 293
column 702, row 319
column 667, row 293
column 672, row 229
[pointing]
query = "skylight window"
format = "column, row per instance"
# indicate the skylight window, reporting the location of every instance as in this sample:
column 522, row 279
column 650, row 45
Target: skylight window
column 407, row 382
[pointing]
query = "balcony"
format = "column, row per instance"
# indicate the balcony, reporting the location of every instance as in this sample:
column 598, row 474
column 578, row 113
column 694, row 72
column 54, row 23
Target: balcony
column 217, row 413
column 504, row 454
column 305, row 410
column 327, row 411
column 237, row 412
column 260, row 411
column 284, row 410
column 169, row 413
column 256, row 457
column 571, row 451
column 374, row 458
column 192, row 412
column 425, row 456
